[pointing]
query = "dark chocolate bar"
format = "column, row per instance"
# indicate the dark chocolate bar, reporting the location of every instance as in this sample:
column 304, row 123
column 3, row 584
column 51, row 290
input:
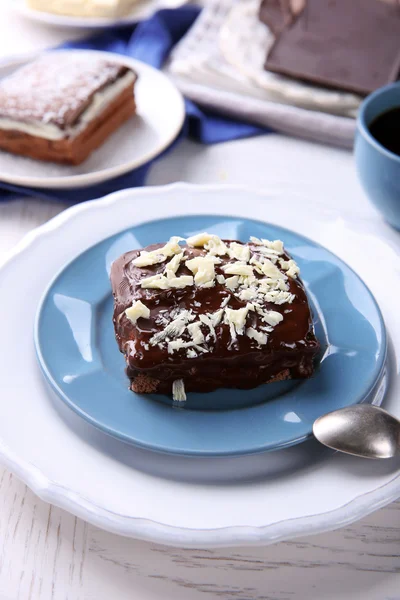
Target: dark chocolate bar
column 350, row 45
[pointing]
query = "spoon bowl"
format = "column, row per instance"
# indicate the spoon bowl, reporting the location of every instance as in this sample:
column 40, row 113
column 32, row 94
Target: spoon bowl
column 362, row 430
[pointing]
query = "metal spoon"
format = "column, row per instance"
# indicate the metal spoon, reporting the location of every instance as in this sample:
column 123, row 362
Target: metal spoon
column 363, row 430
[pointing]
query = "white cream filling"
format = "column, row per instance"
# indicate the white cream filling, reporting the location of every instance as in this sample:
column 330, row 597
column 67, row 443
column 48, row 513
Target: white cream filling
column 49, row 131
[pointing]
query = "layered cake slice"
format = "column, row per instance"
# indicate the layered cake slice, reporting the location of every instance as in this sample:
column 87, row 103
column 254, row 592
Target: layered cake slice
column 64, row 105
column 204, row 313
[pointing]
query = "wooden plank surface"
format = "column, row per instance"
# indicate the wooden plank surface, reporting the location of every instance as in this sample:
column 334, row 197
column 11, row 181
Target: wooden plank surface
column 45, row 553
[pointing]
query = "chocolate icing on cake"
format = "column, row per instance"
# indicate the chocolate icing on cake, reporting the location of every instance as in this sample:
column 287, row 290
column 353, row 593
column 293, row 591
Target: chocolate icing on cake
column 227, row 362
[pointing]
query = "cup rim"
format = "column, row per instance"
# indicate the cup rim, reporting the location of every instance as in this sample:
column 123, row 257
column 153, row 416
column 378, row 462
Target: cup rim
column 363, row 127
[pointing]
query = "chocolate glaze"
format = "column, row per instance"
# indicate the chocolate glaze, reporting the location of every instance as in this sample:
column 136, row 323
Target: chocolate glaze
column 290, row 350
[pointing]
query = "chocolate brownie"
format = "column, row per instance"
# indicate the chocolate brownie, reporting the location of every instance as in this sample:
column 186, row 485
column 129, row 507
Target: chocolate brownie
column 204, row 313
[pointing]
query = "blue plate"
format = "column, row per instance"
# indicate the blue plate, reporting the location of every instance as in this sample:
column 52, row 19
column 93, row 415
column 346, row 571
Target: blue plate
column 79, row 357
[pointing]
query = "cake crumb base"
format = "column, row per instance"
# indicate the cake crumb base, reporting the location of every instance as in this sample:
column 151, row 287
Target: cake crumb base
column 143, row 384
column 282, row 376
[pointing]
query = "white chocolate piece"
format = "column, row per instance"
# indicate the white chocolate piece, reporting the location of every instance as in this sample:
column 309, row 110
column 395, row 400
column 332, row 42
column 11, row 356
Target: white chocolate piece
column 203, row 269
column 178, row 391
column 136, row 311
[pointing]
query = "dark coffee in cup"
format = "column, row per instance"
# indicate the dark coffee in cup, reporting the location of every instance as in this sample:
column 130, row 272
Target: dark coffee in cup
column 386, row 129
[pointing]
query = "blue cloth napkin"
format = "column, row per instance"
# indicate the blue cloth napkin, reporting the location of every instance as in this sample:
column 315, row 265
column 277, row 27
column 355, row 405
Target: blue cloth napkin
column 149, row 41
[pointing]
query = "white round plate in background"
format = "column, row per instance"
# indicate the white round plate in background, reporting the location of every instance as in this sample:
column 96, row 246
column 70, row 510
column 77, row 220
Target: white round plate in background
column 158, row 121
column 142, row 10
column 123, row 490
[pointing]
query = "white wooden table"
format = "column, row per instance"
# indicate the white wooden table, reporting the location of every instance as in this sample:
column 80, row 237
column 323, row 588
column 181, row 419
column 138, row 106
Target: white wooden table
column 45, row 553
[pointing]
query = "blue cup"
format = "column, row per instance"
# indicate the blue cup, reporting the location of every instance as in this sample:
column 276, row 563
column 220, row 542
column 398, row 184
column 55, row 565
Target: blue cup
column 379, row 168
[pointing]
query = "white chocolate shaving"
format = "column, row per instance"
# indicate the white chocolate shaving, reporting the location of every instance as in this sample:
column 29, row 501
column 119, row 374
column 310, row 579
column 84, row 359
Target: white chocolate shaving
column 238, row 268
column 161, row 282
column 199, row 240
column 203, row 269
column 257, row 265
column 255, row 240
column 246, row 280
column 146, row 259
column 178, row 345
column 249, row 293
column 275, row 245
column 180, row 282
column 136, row 311
column 173, row 329
column 291, row 268
column 159, row 255
column 258, row 336
column 237, row 318
column 239, row 251
column 271, row 271
column 196, row 333
column 173, row 265
column 178, row 391
column 232, row 282
column 215, row 246
column 272, row 317
column 281, row 285
column 158, row 282
column 209, row 323
column 216, row 317
column 279, row 297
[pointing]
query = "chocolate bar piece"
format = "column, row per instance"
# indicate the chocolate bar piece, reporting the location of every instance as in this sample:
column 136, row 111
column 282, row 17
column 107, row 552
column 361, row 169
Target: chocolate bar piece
column 348, row 45
column 64, row 105
column 211, row 313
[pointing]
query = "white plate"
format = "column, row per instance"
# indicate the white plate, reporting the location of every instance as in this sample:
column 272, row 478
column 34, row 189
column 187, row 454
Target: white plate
column 142, row 10
column 159, row 118
column 67, row 463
